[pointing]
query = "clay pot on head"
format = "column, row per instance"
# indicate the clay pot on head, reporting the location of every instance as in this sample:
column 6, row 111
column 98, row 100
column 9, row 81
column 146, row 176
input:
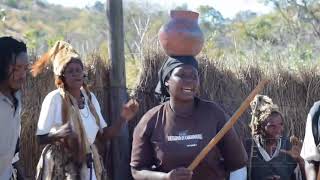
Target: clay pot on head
column 181, row 36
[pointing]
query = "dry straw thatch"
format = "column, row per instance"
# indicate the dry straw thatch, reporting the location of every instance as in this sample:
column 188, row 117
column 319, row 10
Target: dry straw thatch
column 293, row 92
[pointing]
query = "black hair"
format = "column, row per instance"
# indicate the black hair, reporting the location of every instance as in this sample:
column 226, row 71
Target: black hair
column 10, row 48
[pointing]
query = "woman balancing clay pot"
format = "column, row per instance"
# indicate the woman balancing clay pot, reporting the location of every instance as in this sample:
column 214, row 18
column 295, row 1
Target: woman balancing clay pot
column 171, row 135
column 182, row 34
column 272, row 156
column 70, row 120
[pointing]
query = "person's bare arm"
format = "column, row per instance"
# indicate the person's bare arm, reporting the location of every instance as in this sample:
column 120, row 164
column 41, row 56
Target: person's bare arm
column 50, row 138
column 175, row 174
column 112, row 131
column 311, row 169
column 20, row 170
column 128, row 111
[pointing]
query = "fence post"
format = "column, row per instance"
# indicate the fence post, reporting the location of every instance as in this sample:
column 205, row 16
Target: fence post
column 118, row 95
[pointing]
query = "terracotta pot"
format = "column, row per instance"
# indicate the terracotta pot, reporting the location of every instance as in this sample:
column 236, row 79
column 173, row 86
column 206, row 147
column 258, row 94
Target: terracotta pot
column 182, row 34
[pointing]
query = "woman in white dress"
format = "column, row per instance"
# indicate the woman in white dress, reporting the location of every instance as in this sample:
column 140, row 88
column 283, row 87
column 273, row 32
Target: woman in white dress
column 70, row 120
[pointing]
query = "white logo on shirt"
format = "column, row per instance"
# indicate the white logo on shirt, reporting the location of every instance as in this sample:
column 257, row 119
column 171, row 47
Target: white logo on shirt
column 185, row 137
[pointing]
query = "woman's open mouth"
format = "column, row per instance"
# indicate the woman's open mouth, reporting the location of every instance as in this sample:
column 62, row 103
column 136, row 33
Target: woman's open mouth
column 188, row 90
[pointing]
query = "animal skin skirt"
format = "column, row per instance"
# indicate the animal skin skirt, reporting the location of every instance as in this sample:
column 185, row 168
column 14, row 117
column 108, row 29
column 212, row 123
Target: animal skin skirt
column 56, row 164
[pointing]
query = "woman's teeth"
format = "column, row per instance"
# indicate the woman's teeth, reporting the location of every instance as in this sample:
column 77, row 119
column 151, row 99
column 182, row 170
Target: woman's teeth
column 187, row 89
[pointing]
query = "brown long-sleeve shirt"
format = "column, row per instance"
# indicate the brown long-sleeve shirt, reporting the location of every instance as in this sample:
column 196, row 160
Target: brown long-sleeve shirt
column 168, row 140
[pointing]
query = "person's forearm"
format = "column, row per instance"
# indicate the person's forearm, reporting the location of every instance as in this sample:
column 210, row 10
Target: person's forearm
column 310, row 170
column 240, row 174
column 50, row 138
column 20, row 171
column 301, row 163
column 113, row 130
column 148, row 175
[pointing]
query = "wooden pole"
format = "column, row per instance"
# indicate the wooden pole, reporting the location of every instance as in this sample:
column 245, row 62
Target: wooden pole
column 118, row 95
column 227, row 126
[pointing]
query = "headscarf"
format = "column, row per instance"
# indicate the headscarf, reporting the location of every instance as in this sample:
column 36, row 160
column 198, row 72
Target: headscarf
column 262, row 107
column 59, row 55
column 165, row 71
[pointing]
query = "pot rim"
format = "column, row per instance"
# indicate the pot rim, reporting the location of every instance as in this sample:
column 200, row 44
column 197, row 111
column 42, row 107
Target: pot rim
column 184, row 14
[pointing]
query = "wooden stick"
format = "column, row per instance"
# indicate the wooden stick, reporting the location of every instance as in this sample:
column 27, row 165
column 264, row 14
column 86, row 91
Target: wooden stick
column 245, row 104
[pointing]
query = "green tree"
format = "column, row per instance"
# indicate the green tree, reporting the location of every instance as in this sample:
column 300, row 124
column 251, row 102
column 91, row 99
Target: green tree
column 3, row 15
column 12, row 3
column 307, row 11
column 32, row 36
column 210, row 19
column 99, row 7
column 244, row 16
column 51, row 41
column 184, row 6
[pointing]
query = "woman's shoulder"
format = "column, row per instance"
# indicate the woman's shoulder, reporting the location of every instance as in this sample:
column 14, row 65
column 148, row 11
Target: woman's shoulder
column 86, row 93
column 149, row 119
column 154, row 111
column 53, row 96
column 151, row 114
column 211, row 105
column 316, row 103
column 93, row 97
column 314, row 107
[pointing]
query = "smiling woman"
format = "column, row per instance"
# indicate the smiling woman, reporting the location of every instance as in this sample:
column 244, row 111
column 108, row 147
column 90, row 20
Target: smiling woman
column 70, row 120
column 272, row 156
column 170, row 136
column 73, row 75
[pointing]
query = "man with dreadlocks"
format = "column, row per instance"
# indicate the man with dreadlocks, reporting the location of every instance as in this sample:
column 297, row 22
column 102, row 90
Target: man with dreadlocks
column 70, row 120
column 13, row 69
column 272, row 156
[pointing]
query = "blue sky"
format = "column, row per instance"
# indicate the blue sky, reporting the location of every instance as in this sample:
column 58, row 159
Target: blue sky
column 228, row 8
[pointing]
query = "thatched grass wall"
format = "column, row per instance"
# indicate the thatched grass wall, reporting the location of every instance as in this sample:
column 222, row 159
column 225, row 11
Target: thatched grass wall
column 293, row 92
